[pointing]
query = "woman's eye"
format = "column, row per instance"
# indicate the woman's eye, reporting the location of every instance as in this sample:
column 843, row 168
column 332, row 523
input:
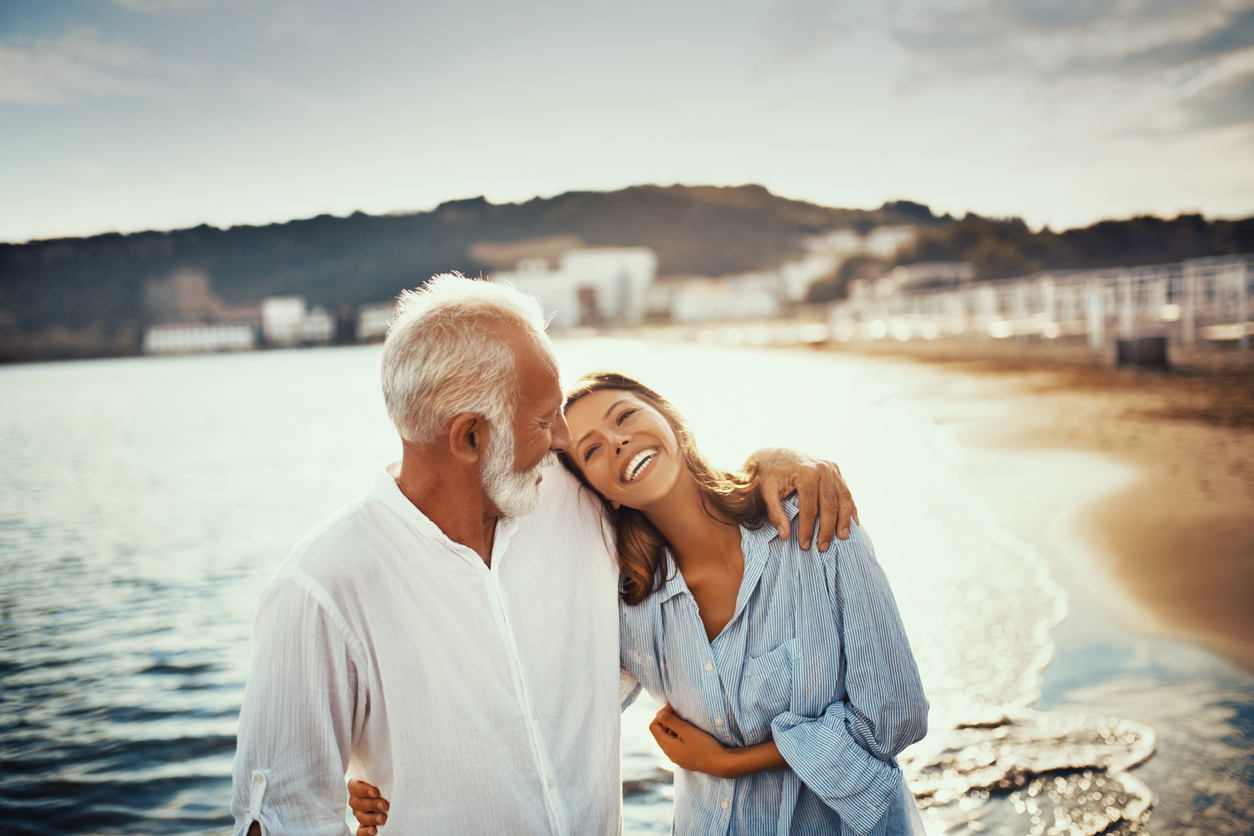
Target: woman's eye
column 587, row 454
column 623, row 416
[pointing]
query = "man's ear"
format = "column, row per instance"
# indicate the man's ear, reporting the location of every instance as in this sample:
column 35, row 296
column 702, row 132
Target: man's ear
column 468, row 437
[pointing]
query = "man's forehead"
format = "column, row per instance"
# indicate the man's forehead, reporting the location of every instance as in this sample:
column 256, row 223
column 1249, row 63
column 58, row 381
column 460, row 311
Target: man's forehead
column 538, row 375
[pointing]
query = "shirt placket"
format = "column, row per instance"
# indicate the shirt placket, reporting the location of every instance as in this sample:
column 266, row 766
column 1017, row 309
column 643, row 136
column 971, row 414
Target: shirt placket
column 531, row 716
column 715, row 696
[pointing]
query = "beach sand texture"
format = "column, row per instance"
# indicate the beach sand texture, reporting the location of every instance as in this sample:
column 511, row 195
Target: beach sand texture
column 1158, row 560
column 1180, row 535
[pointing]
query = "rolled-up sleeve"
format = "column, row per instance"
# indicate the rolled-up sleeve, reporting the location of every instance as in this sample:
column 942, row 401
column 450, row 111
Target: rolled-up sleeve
column 304, row 704
column 846, row 755
column 628, row 688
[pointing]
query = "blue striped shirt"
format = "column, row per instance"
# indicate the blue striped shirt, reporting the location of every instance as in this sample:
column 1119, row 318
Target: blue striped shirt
column 815, row 657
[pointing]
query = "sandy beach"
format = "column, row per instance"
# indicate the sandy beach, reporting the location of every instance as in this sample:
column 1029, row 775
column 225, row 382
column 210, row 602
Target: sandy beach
column 1155, row 549
column 1180, row 536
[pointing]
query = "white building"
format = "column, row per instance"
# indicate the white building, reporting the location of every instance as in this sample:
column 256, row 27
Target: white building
column 197, row 339
column 885, row 241
column 729, row 299
column 318, row 327
column 825, row 253
column 373, row 321
column 590, row 287
column 285, row 321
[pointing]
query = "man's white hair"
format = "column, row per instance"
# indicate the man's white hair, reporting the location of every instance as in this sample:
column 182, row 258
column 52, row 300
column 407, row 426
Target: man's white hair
column 447, row 353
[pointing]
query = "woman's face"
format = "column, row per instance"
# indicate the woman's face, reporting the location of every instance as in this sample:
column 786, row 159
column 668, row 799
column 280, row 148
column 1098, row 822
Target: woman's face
column 625, row 447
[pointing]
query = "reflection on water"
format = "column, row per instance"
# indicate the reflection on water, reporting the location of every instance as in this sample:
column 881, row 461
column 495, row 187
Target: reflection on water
column 144, row 502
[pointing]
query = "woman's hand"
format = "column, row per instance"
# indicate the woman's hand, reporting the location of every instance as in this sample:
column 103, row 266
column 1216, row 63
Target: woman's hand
column 369, row 808
column 698, row 750
column 688, row 746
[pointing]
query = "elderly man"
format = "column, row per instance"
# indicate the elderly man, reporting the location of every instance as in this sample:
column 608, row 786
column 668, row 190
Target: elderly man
column 452, row 636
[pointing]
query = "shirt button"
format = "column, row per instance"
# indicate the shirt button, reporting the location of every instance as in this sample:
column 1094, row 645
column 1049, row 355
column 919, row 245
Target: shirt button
column 535, row 715
column 708, row 666
column 726, row 804
column 718, row 721
column 551, row 782
column 258, row 777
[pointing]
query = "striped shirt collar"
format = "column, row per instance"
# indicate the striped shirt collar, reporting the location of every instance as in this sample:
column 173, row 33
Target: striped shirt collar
column 754, row 545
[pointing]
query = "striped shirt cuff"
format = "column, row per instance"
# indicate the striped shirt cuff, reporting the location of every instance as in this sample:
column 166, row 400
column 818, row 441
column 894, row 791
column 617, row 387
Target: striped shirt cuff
column 848, row 778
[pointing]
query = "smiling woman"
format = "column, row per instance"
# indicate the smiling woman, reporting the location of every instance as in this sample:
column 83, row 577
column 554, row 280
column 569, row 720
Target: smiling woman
column 789, row 687
column 621, row 414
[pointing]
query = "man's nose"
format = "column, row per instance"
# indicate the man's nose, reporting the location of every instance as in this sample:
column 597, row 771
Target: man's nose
column 560, row 438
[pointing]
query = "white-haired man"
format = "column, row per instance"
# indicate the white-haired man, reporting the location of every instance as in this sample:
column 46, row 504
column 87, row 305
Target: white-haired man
column 452, row 636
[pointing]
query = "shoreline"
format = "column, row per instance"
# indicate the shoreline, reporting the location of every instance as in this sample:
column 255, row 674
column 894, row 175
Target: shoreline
column 1105, row 482
column 1178, row 536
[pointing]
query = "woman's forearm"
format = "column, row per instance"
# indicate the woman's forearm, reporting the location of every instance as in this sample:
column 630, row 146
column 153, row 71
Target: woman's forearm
column 749, row 760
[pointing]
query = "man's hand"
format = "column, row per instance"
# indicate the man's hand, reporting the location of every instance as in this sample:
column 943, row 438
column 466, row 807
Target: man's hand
column 688, row 746
column 821, row 493
column 369, row 808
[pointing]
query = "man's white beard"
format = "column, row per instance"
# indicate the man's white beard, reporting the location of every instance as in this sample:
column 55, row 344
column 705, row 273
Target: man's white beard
column 514, row 494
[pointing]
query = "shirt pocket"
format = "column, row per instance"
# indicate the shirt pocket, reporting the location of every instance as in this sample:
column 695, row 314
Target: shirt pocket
column 766, row 687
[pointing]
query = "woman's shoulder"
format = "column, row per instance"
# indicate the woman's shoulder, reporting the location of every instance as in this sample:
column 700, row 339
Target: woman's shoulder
column 669, row 584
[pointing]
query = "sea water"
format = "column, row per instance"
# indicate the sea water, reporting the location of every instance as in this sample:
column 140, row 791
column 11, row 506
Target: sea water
column 145, row 501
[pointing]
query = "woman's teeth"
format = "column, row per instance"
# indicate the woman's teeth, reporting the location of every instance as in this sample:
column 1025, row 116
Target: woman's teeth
column 638, row 463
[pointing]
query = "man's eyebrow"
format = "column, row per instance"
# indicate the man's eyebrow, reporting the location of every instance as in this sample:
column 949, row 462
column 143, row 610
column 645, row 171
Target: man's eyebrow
column 606, row 415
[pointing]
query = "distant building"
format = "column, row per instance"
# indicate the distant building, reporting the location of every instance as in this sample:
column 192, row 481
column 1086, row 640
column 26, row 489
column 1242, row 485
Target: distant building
column 286, row 322
column 728, row 299
column 318, row 327
column 373, row 321
column 283, row 319
column 198, row 339
column 885, row 241
column 825, row 254
column 605, row 286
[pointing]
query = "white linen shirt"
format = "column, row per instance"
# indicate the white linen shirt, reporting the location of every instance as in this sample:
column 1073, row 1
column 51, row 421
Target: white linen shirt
column 479, row 700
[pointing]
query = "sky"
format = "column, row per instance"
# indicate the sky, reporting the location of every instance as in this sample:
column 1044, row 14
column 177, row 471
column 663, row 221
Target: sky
column 123, row 115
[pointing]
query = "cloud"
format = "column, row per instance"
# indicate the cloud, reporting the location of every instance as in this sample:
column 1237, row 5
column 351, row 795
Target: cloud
column 155, row 6
column 1223, row 104
column 1075, row 37
column 1177, row 46
column 82, row 65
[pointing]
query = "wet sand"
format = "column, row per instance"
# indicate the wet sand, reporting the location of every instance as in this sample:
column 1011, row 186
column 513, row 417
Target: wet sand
column 1179, row 537
column 1139, row 490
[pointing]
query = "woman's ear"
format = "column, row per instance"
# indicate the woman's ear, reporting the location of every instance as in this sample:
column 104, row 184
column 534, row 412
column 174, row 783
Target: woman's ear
column 615, row 505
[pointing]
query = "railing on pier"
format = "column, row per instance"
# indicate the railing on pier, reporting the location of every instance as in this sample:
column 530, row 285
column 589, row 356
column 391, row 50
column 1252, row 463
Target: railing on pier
column 1206, row 299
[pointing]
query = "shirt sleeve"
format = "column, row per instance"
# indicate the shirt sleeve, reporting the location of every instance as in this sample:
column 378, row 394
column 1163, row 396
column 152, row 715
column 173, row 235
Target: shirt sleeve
column 846, row 755
column 628, row 688
column 303, row 706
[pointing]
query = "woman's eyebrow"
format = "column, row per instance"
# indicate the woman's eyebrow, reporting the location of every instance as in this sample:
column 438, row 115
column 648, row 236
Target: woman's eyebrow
column 584, row 437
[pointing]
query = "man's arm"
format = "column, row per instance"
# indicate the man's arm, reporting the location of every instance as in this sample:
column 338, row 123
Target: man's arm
column 301, row 707
column 821, row 493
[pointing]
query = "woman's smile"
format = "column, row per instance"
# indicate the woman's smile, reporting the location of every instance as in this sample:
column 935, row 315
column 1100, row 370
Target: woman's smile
column 639, row 463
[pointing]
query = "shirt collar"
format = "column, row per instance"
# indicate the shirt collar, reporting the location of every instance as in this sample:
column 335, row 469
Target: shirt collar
column 754, row 545
column 389, row 493
column 792, row 507
column 673, row 582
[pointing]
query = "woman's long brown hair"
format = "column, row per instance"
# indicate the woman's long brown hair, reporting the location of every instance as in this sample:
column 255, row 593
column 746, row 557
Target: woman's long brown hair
column 641, row 547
